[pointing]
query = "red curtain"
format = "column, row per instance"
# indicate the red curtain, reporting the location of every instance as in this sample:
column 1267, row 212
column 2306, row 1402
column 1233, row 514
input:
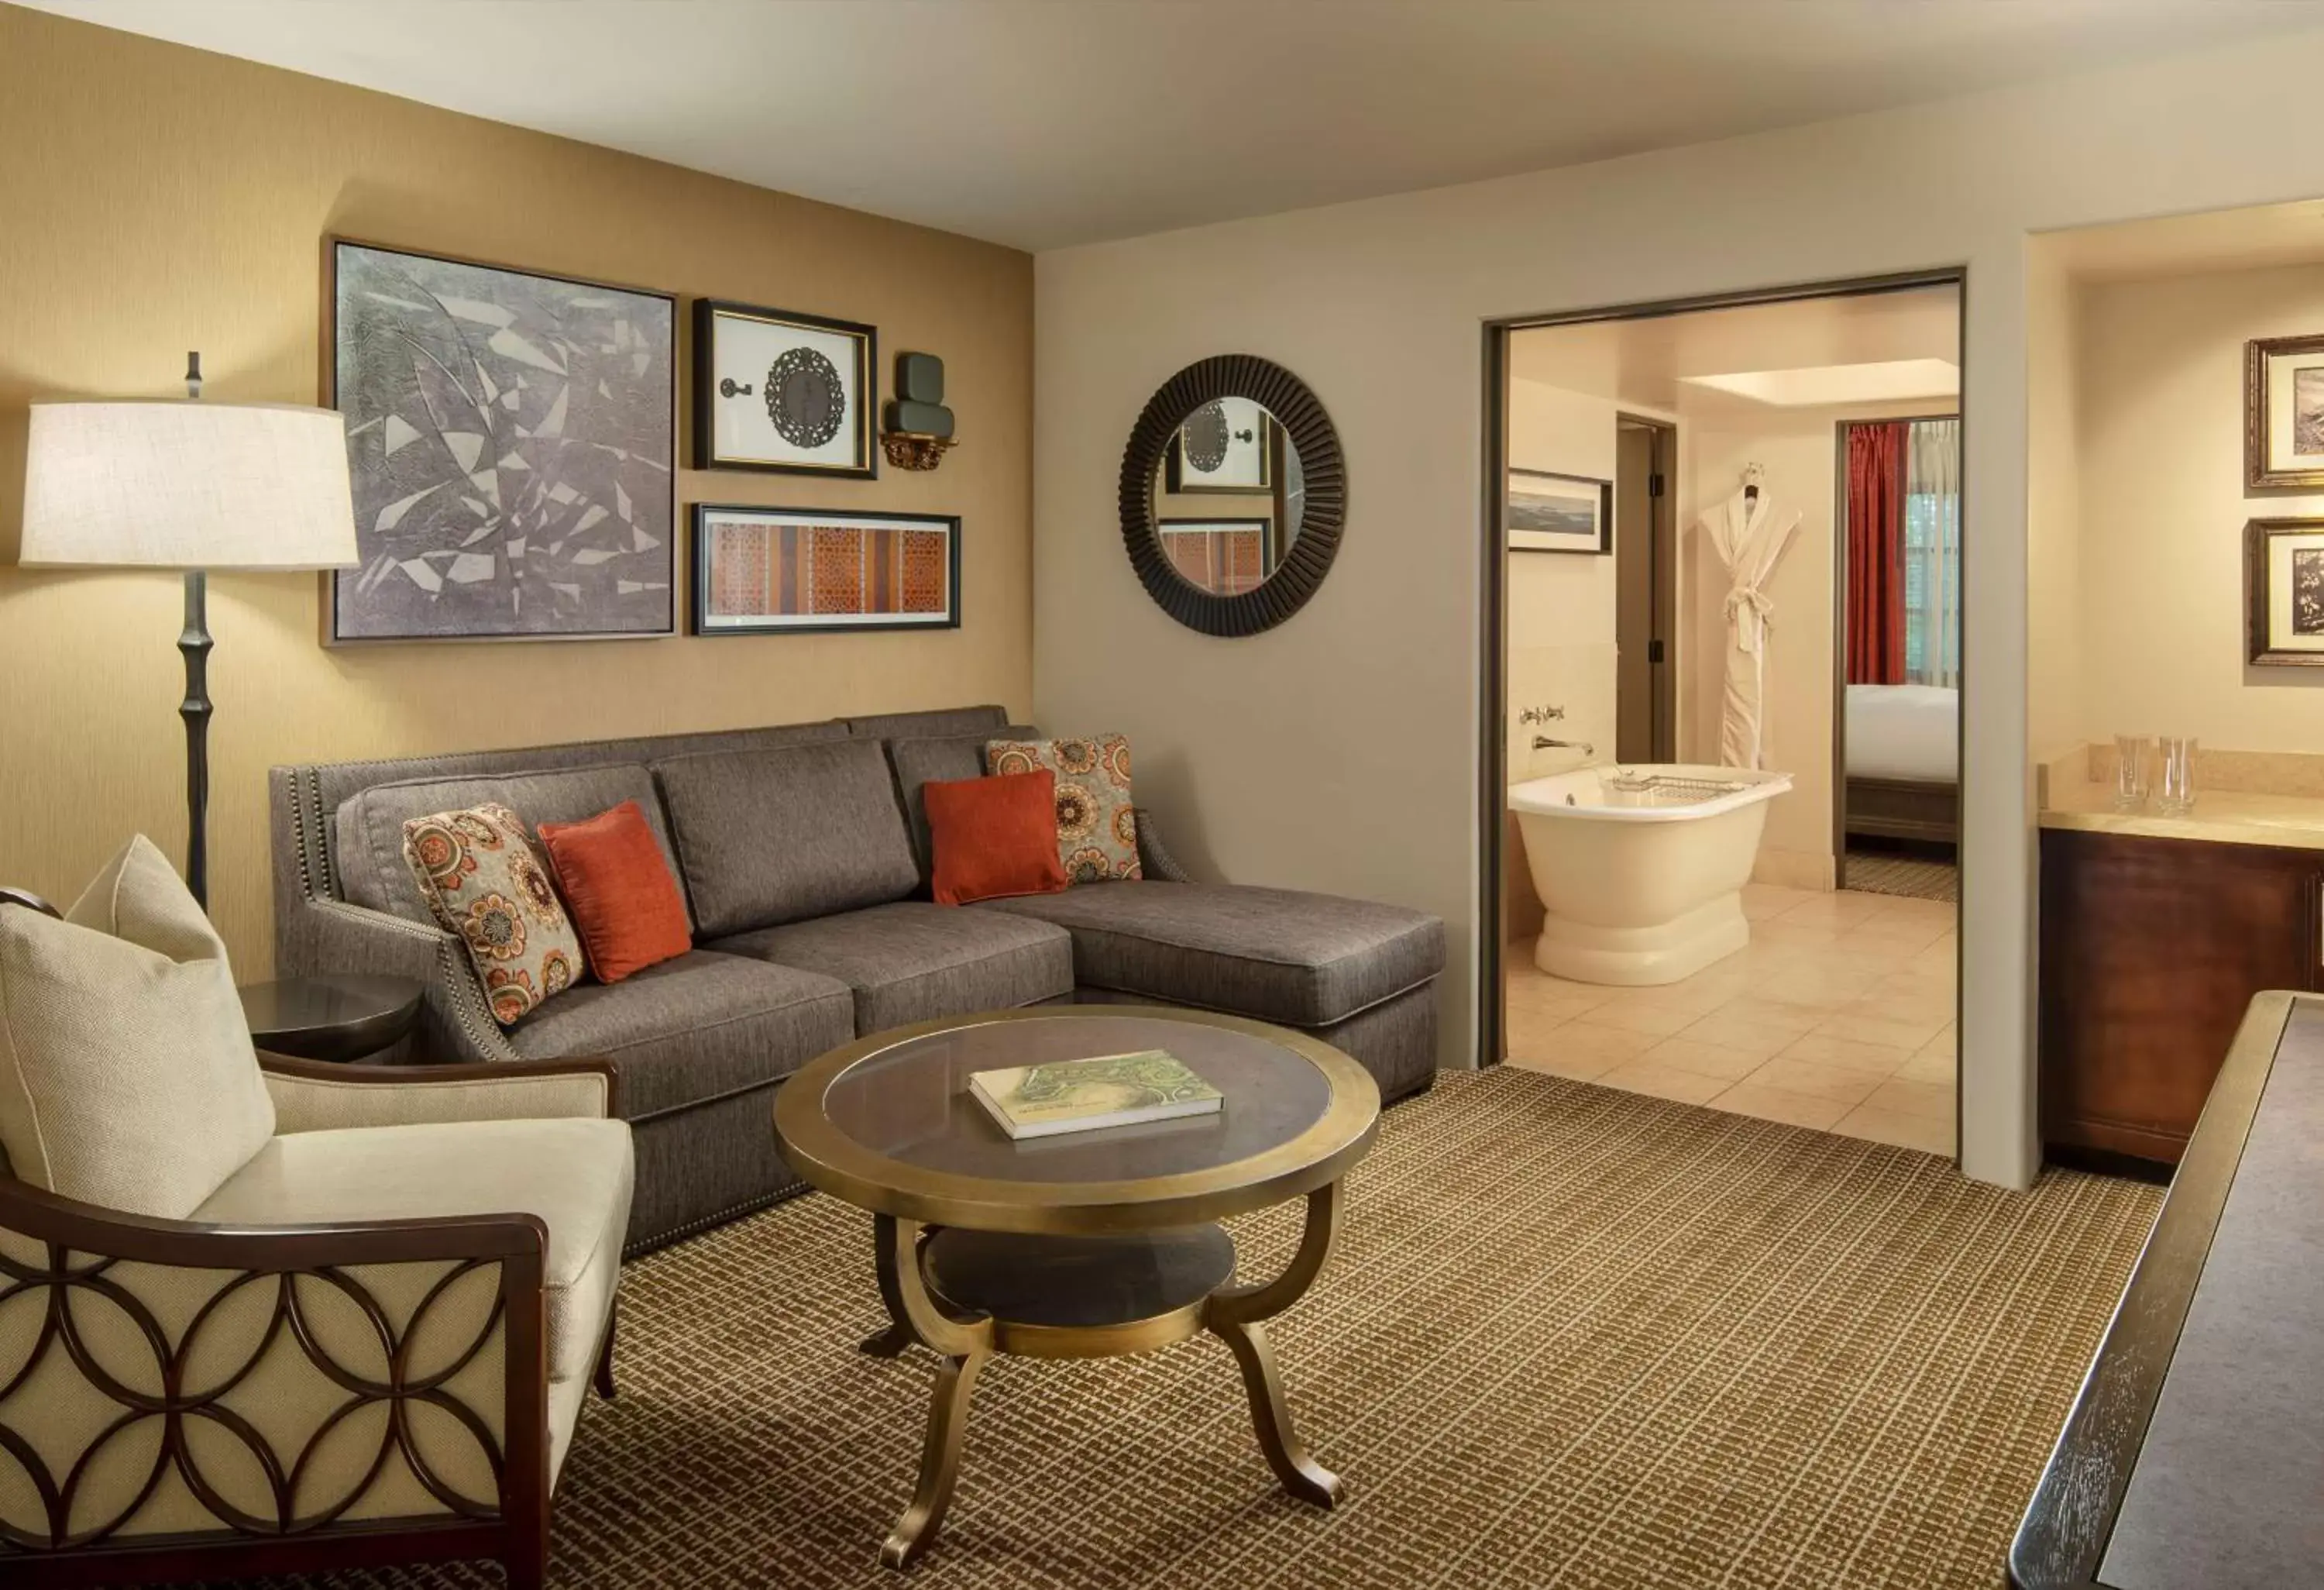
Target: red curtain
column 1876, row 554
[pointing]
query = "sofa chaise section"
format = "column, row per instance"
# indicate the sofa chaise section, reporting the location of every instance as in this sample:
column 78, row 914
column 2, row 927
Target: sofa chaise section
column 1357, row 975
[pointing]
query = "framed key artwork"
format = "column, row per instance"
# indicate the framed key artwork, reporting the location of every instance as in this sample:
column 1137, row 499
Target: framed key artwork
column 784, row 392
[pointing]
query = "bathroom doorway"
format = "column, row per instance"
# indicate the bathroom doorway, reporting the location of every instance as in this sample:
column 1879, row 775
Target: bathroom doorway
column 1896, row 767
column 1664, row 781
column 1646, row 578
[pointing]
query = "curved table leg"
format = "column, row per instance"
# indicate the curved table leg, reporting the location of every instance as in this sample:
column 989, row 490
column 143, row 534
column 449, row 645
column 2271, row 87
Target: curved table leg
column 889, row 1341
column 1233, row 1315
column 963, row 1344
column 939, row 1462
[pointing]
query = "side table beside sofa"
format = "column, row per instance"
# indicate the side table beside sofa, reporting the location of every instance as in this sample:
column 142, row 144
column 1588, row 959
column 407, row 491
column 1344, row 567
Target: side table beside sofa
column 804, row 859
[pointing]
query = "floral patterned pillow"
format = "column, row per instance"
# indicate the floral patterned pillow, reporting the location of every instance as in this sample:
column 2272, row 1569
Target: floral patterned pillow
column 1097, row 829
column 485, row 880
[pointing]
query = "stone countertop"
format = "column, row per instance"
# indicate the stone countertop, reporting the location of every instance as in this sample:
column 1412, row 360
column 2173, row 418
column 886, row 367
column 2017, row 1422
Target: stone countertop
column 2223, row 817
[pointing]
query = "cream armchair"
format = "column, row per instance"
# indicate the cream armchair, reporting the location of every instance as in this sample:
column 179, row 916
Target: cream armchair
column 370, row 1342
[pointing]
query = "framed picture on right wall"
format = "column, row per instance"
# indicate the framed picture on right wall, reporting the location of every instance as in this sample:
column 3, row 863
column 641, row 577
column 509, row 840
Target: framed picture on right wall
column 2284, row 411
column 2284, row 580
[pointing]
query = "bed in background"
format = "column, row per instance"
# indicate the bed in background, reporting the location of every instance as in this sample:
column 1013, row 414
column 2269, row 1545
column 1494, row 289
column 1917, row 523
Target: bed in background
column 1903, row 748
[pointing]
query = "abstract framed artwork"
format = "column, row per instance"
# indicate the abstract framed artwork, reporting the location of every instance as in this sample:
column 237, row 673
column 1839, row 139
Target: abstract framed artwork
column 783, row 570
column 1225, row 557
column 1227, row 445
column 1546, row 512
column 511, row 438
column 2284, row 411
column 785, row 393
column 2283, row 593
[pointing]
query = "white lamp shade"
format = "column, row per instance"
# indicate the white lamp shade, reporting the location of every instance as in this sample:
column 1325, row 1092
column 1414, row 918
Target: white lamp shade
column 188, row 484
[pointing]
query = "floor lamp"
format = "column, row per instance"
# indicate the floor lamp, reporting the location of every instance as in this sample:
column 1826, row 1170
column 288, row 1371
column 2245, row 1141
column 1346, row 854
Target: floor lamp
column 190, row 485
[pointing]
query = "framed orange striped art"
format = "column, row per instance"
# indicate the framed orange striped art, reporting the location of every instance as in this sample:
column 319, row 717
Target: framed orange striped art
column 780, row 571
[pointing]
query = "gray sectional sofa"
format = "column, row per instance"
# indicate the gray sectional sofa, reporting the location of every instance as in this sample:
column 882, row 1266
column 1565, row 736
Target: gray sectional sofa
column 803, row 855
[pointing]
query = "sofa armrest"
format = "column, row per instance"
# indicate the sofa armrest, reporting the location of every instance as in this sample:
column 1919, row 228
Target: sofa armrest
column 310, row 1096
column 280, row 1342
column 328, row 935
column 1154, row 857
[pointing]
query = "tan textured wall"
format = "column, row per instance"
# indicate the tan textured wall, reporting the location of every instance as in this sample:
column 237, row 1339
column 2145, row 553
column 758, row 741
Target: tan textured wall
column 154, row 199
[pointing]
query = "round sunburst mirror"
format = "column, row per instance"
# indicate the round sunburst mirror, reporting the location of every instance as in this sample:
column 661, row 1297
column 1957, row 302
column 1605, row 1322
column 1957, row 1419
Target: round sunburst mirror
column 1233, row 493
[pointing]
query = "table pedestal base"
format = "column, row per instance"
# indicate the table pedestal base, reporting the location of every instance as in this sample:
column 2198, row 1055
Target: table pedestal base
column 966, row 1295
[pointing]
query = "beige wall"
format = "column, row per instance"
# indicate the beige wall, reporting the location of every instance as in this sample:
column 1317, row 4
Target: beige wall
column 153, row 198
column 1561, row 605
column 2055, row 655
column 1340, row 751
column 1559, row 643
column 2162, row 507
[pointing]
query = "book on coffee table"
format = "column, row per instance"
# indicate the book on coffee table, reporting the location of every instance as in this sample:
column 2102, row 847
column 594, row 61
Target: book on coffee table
column 1082, row 1095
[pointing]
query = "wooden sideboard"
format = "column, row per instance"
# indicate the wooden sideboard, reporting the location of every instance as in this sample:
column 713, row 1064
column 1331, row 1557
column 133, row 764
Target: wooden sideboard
column 2152, row 949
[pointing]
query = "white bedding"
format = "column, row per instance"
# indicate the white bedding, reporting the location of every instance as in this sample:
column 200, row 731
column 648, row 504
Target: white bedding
column 1904, row 732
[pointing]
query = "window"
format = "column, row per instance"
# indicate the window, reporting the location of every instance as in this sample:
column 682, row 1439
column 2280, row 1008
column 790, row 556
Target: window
column 1932, row 554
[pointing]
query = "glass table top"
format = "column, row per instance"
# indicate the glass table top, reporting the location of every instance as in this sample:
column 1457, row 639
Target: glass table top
column 908, row 1102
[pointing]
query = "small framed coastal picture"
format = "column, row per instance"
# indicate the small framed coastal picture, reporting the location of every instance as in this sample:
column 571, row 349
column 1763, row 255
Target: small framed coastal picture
column 787, row 570
column 1546, row 512
column 2283, row 580
column 2284, row 411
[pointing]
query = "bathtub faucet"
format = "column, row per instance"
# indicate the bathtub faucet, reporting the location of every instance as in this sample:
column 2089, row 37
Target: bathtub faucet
column 1544, row 743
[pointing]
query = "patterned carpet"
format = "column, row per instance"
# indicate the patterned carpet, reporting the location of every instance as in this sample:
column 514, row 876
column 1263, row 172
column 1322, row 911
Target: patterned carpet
column 1573, row 1337
column 1875, row 871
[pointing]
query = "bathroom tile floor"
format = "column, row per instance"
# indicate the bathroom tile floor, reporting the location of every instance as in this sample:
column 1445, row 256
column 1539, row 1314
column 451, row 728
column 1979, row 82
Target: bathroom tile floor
column 1838, row 1016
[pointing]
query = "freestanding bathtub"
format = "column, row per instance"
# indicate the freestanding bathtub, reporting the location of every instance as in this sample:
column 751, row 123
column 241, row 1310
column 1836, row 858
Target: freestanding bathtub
column 1641, row 869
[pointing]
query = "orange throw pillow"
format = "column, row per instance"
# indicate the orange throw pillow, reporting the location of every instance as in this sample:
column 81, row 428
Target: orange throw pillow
column 995, row 837
column 618, row 887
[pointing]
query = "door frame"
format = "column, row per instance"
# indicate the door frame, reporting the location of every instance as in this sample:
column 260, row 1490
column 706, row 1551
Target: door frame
column 1492, row 738
column 1662, row 580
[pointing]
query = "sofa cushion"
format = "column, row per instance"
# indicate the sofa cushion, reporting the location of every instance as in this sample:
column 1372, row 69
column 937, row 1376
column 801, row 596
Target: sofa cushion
column 368, row 827
column 1276, row 954
column 696, row 1028
column 912, row 960
column 127, row 1077
column 575, row 1175
column 771, row 836
column 1097, row 825
column 940, row 759
column 486, row 881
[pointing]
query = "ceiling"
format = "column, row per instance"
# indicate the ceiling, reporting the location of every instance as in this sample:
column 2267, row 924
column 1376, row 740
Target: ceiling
column 1850, row 345
column 1047, row 122
column 2253, row 238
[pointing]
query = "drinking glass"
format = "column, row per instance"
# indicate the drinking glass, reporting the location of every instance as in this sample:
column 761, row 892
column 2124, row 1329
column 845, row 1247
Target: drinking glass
column 2177, row 795
column 2129, row 771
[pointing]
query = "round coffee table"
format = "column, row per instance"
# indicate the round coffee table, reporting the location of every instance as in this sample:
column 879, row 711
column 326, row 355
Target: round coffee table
column 1087, row 1243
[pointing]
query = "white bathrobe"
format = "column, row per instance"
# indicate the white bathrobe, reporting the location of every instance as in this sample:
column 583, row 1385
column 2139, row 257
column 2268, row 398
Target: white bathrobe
column 1750, row 539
